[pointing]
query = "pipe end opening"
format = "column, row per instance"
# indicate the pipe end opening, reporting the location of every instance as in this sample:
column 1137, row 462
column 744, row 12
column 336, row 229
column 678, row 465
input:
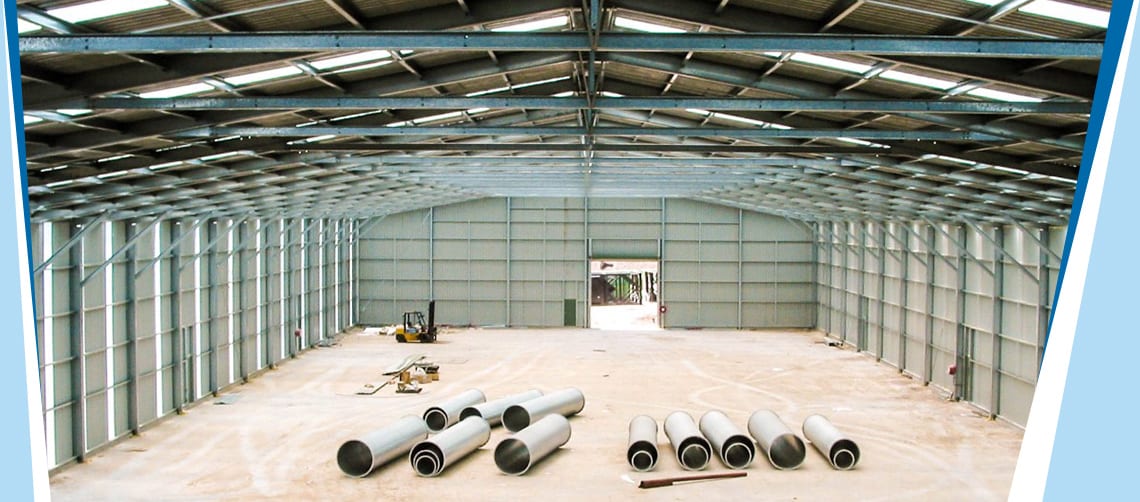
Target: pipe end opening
column 512, row 457
column 516, row 418
column 426, row 465
column 469, row 412
column 787, row 452
column 694, row 457
column 738, row 453
column 844, row 454
column 354, row 458
column 436, row 419
column 642, row 459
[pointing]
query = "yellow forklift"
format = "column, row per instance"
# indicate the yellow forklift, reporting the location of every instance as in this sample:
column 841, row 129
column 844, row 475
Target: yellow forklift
column 415, row 329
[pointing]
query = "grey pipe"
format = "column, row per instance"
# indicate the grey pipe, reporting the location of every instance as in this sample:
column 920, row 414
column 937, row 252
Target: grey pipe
column 358, row 457
column 492, row 411
column 445, row 414
column 642, row 451
column 841, row 452
column 431, row 456
column 515, row 455
column 785, row 450
column 693, row 450
column 565, row 402
column 728, row 441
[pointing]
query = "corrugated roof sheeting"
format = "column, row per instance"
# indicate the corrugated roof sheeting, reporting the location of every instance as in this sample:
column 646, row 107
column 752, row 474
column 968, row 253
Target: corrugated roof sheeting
column 205, row 176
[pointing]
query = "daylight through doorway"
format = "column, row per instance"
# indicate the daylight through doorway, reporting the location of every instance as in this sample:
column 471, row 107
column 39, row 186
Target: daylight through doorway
column 623, row 295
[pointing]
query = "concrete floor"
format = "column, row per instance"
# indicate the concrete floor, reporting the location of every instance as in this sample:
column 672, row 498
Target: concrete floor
column 279, row 438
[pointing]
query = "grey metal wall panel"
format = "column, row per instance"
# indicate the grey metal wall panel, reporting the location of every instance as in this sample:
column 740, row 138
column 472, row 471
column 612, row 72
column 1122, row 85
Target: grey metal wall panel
column 938, row 302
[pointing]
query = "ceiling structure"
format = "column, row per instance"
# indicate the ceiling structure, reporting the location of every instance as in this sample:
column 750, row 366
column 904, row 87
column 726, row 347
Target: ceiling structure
column 948, row 110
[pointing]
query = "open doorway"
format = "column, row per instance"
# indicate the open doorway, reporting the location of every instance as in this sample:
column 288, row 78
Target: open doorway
column 623, row 295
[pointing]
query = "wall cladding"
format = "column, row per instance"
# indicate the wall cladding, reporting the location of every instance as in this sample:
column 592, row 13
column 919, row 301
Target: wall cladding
column 138, row 319
column 515, row 261
column 922, row 297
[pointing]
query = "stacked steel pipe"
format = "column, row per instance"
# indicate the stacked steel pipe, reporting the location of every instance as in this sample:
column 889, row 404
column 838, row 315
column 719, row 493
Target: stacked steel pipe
column 784, row 449
column 693, row 450
column 358, row 457
column 841, row 453
column 565, row 402
column 430, row 457
column 733, row 447
column 642, row 450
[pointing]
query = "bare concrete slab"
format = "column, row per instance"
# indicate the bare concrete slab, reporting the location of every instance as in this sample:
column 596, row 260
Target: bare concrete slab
column 278, row 441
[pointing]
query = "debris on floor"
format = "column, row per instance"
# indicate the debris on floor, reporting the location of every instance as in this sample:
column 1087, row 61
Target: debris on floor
column 227, row 399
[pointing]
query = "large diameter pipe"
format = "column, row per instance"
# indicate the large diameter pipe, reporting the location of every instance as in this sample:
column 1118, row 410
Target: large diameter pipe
column 730, row 443
column 431, row 456
column 492, row 411
column 693, row 450
column 515, row 455
column 841, row 452
column 642, row 451
column 785, row 450
column 565, row 402
column 445, row 414
column 358, row 457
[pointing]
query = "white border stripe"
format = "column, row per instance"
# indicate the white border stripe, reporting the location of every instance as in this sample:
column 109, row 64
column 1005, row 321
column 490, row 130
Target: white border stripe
column 37, row 442
column 1037, row 446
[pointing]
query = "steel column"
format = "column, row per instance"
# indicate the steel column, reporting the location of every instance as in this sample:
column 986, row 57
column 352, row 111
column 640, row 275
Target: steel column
column 78, row 346
column 999, row 308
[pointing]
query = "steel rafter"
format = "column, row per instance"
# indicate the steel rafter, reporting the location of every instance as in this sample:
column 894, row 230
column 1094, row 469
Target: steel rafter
column 565, row 103
column 894, row 45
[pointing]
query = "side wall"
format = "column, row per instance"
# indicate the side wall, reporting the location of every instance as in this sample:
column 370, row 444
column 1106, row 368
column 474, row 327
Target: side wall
column 137, row 319
column 521, row 261
column 923, row 297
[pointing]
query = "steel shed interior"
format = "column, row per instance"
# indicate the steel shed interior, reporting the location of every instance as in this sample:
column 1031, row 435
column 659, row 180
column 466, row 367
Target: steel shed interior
column 215, row 186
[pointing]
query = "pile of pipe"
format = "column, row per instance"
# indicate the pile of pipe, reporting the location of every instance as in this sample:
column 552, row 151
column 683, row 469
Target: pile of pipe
column 716, row 435
column 462, row 424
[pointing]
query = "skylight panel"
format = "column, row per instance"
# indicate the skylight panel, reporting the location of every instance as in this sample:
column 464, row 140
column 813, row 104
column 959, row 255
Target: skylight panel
column 360, row 57
column 103, row 9
column 488, row 91
column 437, row 118
column 28, row 119
column 633, row 24
column 166, row 165
column 737, row 118
column 540, row 82
column 836, row 64
column 314, row 139
column 74, row 112
column 218, row 156
column 365, row 66
column 26, row 26
column 539, row 24
column 262, row 76
column 173, row 92
column 911, row 78
column 1063, row 11
column 476, row 111
column 1068, row 12
column 1002, row 96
